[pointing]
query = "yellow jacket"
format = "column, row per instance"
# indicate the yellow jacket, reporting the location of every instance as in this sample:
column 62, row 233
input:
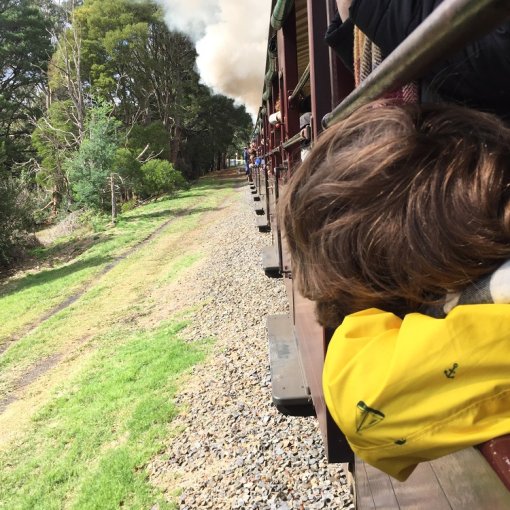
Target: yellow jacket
column 411, row 390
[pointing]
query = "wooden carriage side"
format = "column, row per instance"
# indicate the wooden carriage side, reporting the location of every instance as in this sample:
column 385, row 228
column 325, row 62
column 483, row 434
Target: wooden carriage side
column 299, row 64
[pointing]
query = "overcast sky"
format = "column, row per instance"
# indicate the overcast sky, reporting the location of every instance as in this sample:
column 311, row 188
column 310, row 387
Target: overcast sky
column 231, row 41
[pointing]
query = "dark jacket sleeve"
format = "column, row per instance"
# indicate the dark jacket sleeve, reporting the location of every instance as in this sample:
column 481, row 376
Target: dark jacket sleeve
column 340, row 36
column 478, row 75
column 388, row 22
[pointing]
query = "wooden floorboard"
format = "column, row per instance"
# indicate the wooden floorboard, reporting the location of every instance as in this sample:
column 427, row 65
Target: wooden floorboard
column 421, row 491
column 468, row 481
column 461, row 481
column 364, row 499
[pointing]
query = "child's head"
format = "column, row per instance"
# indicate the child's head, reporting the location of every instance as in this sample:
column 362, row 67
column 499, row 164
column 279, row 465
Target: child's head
column 398, row 205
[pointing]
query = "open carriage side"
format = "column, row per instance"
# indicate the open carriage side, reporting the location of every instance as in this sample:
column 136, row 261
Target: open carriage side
column 300, row 64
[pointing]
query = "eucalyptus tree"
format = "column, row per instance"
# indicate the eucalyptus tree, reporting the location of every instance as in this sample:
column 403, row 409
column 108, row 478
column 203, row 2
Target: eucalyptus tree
column 135, row 61
column 25, row 47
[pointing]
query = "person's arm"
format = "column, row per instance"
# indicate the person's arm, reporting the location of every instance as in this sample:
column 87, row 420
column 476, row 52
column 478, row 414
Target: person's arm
column 388, row 22
column 340, row 37
column 343, row 8
column 456, row 78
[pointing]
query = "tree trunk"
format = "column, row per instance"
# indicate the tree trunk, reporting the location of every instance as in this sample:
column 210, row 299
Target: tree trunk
column 114, row 199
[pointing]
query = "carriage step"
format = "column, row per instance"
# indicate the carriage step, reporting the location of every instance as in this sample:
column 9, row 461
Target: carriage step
column 259, row 210
column 271, row 262
column 263, row 224
column 290, row 393
column 256, row 198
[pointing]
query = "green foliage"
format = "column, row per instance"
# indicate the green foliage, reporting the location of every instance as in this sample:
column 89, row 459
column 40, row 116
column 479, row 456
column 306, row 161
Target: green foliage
column 129, row 205
column 90, row 168
column 222, row 127
column 24, row 49
column 158, row 177
column 15, row 218
column 153, row 136
column 127, row 167
column 121, row 53
column 53, row 139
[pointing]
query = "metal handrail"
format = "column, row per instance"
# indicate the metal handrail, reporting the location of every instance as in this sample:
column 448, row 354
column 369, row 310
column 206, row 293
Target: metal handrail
column 294, row 140
column 453, row 24
column 301, row 83
column 274, row 151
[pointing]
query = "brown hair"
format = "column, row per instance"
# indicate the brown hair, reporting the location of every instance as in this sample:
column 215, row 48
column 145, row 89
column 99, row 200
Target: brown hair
column 398, row 205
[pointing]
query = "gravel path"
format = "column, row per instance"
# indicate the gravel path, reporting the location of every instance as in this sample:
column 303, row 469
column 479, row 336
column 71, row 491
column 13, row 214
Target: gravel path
column 235, row 450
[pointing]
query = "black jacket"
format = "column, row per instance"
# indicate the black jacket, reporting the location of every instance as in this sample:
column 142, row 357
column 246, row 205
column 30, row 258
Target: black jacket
column 478, row 76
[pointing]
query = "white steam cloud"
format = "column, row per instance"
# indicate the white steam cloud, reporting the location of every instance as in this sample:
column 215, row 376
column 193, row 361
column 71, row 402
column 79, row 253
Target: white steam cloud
column 231, row 42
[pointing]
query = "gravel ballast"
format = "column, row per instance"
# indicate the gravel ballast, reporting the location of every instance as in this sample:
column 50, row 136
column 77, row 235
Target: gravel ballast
column 234, row 449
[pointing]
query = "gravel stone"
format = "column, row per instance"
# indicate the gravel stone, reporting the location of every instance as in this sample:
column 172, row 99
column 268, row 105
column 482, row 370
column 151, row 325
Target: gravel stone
column 234, row 449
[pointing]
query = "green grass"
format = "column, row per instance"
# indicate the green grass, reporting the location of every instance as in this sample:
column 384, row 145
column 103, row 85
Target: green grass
column 74, row 322
column 180, row 264
column 24, row 300
column 88, row 447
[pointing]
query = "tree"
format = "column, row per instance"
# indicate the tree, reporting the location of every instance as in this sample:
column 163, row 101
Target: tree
column 128, row 168
column 65, row 74
column 122, row 53
column 25, row 47
column 136, row 62
column 90, row 167
column 55, row 138
column 15, row 219
column 222, row 125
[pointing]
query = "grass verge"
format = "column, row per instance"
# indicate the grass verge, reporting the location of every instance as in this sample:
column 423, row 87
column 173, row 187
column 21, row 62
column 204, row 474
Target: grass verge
column 88, row 427
column 87, row 448
column 24, row 300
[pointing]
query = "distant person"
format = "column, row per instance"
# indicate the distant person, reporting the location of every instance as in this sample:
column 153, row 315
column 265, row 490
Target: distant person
column 305, row 120
column 246, row 158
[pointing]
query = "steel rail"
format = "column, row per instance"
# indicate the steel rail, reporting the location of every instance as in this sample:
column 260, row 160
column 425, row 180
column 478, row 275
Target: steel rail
column 448, row 28
column 274, row 151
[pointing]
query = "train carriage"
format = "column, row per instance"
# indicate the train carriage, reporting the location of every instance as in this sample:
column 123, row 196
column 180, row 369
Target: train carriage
column 301, row 72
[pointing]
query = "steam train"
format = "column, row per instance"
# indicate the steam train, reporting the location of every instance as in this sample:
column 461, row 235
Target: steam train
column 304, row 76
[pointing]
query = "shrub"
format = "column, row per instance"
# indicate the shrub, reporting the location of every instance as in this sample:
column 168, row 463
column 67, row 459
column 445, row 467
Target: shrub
column 160, row 176
column 16, row 211
column 128, row 168
column 128, row 206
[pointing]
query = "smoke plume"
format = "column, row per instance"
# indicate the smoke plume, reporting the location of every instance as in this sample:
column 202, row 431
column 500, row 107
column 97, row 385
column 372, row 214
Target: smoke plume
column 231, row 42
